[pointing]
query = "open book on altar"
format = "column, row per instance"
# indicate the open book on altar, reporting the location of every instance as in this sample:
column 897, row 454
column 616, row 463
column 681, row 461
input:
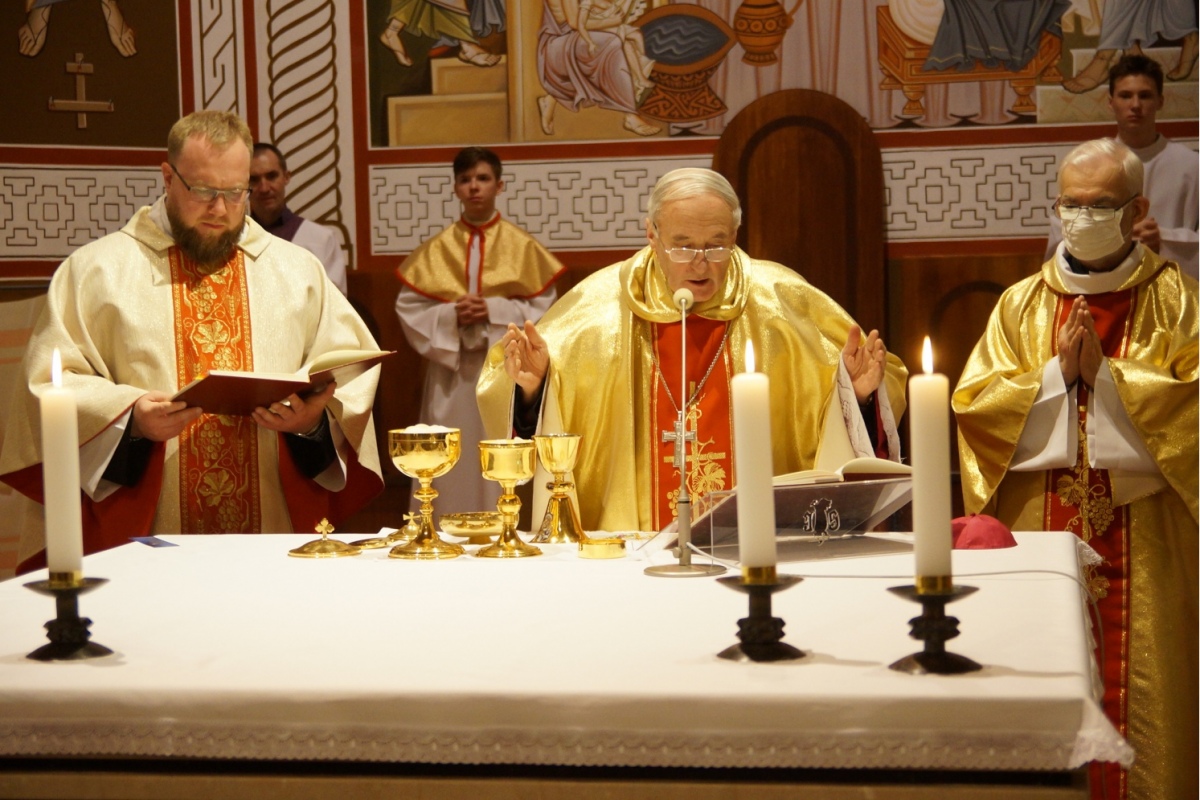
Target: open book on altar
column 811, row 507
column 239, row 393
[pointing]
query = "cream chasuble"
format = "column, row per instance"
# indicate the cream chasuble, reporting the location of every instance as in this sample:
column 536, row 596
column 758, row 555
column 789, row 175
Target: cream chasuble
column 603, row 381
column 1147, row 585
column 112, row 312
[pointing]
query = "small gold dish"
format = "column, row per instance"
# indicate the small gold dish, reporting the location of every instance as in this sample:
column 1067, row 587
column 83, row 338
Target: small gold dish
column 610, row 547
column 479, row 527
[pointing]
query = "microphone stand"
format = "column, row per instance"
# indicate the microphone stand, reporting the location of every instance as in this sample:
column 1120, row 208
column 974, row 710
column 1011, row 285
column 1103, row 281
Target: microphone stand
column 681, row 436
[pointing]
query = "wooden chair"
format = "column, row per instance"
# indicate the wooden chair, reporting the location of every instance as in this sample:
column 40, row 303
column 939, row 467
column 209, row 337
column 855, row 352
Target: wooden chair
column 809, row 175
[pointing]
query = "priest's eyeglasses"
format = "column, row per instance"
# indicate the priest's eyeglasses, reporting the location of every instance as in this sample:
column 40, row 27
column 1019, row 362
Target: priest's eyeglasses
column 204, row 194
column 686, row 255
column 1069, row 213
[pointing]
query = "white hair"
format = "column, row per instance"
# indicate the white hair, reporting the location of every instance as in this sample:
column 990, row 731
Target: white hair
column 1109, row 150
column 679, row 184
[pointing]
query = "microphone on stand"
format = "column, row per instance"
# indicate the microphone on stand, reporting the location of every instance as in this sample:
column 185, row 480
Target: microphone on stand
column 683, row 299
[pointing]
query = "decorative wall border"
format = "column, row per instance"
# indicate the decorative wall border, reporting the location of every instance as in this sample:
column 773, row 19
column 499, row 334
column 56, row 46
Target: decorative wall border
column 302, row 66
column 217, row 41
column 933, row 195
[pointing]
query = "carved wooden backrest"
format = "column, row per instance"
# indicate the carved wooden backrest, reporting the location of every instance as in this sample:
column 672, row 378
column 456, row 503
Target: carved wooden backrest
column 807, row 169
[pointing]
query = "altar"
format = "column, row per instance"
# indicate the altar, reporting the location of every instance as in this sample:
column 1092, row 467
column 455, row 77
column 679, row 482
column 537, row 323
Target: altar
column 241, row 670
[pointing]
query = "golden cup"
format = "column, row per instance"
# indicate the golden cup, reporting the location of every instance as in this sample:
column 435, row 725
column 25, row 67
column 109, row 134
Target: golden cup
column 509, row 462
column 425, row 452
column 560, row 524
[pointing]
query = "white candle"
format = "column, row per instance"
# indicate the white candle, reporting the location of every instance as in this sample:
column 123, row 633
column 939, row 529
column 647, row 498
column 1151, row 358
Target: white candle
column 929, row 437
column 60, row 479
column 752, row 454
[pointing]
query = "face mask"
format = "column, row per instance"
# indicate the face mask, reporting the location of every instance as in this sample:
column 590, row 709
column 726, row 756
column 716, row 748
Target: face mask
column 1089, row 240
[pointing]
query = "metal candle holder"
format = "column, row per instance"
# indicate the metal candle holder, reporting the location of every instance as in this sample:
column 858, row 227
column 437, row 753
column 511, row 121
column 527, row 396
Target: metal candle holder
column 935, row 629
column 760, row 633
column 68, row 632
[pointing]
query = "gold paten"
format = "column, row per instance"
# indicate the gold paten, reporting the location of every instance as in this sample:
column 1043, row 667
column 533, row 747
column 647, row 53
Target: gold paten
column 560, row 524
column 608, row 547
column 478, row 527
column 406, row 534
column 509, row 462
column 325, row 547
column 425, row 453
column 759, row 576
column 934, row 584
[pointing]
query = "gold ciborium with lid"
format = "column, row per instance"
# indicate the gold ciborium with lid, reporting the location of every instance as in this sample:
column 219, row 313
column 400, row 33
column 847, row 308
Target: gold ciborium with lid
column 425, row 452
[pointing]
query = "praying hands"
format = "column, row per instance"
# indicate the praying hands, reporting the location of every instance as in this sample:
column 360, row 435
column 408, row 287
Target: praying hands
column 1079, row 349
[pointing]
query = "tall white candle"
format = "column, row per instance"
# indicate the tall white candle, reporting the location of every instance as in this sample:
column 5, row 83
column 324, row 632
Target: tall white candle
column 752, row 454
column 60, row 479
column 929, row 436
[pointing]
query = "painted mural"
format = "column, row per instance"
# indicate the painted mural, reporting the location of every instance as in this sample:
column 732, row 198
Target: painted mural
column 76, row 72
column 575, row 70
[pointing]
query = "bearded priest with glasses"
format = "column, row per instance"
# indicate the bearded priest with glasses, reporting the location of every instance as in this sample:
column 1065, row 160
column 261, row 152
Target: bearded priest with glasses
column 604, row 362
column 192, row 284
column 1078, row 411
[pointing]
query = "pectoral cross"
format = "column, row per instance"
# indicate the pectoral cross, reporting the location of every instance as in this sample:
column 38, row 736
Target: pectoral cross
column 680, row 437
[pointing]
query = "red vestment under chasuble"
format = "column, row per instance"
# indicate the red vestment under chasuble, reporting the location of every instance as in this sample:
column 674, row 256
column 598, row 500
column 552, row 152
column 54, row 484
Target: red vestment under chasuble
column 614, row 355
column 1144, row 527
column 130, row 314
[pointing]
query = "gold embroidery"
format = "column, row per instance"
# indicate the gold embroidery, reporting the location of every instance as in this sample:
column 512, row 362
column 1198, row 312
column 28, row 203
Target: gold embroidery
column 1077, row 491
column 218, row 456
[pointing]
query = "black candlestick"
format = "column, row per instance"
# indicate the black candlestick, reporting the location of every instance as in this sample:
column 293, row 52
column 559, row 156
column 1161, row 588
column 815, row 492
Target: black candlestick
column 934, row 628
column 760, row 633
column 68, row 633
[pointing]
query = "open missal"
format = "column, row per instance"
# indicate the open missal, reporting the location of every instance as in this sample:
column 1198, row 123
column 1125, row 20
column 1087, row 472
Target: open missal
column 811, row 507
column 239, row 393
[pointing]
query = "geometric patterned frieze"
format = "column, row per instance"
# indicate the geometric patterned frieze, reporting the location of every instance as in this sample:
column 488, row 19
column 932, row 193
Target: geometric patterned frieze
column 566, row 205
column 962, row 193
column 48, row 212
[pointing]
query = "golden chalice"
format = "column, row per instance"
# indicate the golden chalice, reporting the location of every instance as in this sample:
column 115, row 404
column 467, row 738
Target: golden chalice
column 425, row 452
column 509, row 462
column 560, row 524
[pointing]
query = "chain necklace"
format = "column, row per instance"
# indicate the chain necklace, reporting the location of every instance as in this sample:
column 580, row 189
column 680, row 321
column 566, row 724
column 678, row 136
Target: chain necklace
column 704, row 380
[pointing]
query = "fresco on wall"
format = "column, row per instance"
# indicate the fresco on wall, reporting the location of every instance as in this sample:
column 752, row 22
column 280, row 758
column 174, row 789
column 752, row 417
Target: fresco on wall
column 588, row 70
column 77, row 72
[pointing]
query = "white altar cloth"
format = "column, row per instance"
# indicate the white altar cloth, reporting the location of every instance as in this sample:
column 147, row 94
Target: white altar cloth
column 227, row 648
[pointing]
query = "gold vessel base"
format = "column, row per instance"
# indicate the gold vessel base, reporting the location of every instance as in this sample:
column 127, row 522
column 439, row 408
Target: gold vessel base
column 325, row 548
column 602, row 548
column 428, row 550
column 508, row 548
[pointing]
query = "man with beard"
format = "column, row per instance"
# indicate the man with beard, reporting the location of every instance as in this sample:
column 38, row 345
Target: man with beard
column 189, row 285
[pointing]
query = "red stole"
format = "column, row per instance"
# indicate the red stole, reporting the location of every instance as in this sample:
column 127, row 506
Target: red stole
column 1079, row 499
column 710, row 456
column 218, row 455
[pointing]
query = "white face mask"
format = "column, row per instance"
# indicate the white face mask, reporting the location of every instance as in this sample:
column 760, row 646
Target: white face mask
column 1089, row 240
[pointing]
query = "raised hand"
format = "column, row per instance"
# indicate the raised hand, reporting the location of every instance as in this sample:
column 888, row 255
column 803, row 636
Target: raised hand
column 865, row 361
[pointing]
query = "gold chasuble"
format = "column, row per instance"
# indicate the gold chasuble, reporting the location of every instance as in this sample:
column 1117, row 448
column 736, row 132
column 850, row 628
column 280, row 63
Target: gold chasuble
column 615, row 373
column 512, row 263
column 1143, row 528
column 218, row 455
